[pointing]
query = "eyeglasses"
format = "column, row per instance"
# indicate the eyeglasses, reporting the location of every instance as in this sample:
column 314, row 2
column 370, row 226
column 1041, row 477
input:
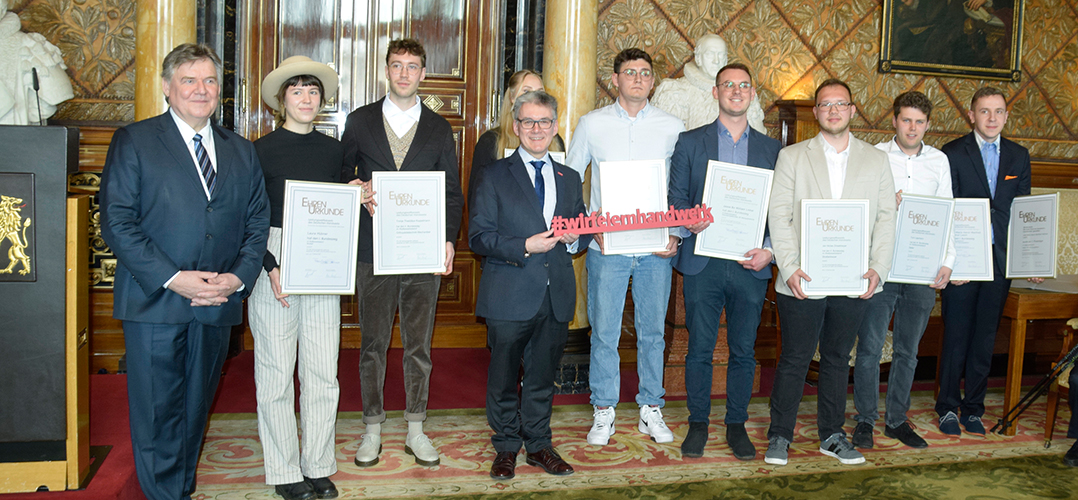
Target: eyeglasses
column 839, row 106
column 401, row 68
column 728, row 85
column 631, row 73
column 543, row 124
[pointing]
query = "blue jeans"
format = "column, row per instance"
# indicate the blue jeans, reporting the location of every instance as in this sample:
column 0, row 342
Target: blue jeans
column 608, row 279
column 722, row 283
column 911, row 305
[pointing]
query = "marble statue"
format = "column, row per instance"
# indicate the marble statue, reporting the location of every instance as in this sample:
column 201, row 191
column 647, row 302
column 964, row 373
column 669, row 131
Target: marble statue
column 19, row 52
column 690, row 98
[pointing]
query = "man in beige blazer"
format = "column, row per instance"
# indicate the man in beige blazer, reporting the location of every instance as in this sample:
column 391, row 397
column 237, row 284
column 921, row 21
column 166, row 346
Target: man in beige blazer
column 832, row 165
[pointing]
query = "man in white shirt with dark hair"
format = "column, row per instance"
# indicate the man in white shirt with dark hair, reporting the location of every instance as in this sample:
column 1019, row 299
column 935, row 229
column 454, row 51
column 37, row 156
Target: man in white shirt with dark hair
column 629, row 129
column 917, row 169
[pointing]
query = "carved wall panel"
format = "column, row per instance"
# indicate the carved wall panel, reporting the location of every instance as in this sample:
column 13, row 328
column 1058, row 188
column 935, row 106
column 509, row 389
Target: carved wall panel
column 792, row 45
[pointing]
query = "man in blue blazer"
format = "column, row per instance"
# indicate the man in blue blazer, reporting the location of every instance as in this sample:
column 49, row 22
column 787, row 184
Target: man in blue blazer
column 528, row 289
column 184, row 209
column 983, row 165
column 711, row 284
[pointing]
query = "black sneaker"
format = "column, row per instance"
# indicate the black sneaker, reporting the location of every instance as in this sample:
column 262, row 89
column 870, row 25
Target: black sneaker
column 862, row 436
column 905, row 433
column 695, row 440
column 1071, row 458
column 739, row 442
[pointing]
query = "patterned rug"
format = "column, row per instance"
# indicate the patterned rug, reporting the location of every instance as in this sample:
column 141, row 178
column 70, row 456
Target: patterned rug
column 231, row 466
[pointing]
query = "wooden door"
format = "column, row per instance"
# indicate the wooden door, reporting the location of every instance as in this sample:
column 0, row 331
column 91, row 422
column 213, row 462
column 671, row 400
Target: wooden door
column 462, row 40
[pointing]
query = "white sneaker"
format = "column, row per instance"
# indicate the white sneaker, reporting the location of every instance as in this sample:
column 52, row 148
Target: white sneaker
column 603, row 428
column 651, row 423
column 369, row 449
column 420, row 446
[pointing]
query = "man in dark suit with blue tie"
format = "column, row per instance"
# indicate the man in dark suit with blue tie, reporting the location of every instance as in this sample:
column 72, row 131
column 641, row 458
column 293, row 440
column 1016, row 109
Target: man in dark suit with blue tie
column 528, row 289
column 983, row 165
column 184, row 209
column 711, row 284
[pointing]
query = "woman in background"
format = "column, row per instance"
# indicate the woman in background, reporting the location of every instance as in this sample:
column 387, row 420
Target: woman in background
column 493, row 143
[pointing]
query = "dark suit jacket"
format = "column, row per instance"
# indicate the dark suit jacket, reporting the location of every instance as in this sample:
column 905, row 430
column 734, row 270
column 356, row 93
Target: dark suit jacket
column 366, row 149
column 156, row 219
column 688, row 171
column 968, row 180
column 506, row 212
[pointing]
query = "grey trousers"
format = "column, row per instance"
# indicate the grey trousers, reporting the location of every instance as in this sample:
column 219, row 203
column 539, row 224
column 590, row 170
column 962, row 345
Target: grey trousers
column 416, row 295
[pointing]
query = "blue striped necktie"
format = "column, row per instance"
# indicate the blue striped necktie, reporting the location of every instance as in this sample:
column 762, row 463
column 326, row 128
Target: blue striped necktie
column 991, row 165
column 540, row 187
column 204, row 164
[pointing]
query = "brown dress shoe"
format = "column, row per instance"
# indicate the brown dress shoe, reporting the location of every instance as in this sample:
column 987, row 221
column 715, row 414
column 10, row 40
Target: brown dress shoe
column 550, row 461
column 504, row 466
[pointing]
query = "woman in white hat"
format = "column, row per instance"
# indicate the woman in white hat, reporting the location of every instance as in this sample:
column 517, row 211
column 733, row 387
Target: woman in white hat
column 296, row 91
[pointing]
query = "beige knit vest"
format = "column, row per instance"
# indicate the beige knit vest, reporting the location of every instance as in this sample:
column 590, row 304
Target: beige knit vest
column 399, row 145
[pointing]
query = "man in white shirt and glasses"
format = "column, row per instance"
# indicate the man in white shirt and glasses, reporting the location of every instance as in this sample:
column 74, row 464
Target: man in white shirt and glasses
column 831, row 166
column 629, row 129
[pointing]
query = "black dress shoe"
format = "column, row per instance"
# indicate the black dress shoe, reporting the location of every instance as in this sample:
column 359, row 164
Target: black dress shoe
column 322, row 486
column 905, row 434
column 504, row 466
column 295, row 491
column 739, row 442
column 550, row 461
column 695, row 440
column 862, row 436
column 1071, row 458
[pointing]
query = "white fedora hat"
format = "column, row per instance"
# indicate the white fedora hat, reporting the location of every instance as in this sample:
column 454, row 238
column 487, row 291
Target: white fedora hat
column 295, row 66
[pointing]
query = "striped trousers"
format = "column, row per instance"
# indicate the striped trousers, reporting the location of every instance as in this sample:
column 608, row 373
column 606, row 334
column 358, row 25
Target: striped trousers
column 311, row 326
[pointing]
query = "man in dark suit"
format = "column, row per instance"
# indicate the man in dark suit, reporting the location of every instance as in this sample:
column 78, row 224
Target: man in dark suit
column 184, row 209
column 983, row 165
column 711, row 284
column 399, row 133
column 528, row 290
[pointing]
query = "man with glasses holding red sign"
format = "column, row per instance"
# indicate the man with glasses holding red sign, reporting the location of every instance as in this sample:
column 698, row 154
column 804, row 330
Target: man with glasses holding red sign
column 629, row 129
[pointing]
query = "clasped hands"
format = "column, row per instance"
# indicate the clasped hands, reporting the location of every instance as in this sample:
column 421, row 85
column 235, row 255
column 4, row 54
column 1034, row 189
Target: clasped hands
column 205, row 288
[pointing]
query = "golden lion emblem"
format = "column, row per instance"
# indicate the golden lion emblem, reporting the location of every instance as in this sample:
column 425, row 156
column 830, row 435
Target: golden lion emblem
column 10, row 222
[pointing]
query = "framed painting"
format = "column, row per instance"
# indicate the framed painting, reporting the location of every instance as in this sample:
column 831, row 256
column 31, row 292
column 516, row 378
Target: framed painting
column 967, row 39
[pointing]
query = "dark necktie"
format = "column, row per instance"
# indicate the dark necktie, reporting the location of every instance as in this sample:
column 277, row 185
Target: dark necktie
column 540, row 187
column 204, row 164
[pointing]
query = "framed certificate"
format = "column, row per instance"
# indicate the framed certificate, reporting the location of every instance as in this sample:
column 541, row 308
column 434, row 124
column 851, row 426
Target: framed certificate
column 1032, row 236
column 629, row 188
column 319, row 238
column 738, row 196
column 834, row 246
column 409, row 222
column 972, row 228
column 921, row 233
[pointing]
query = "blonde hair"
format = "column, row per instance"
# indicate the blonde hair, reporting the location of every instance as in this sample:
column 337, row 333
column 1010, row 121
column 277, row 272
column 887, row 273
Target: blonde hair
column 506, row 138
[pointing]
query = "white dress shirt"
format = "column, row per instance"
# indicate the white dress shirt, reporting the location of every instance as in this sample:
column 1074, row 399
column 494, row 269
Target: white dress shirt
column 188, row 135
column 610, row 134
column 836, row 167
column 928, row 173
column 401, row 120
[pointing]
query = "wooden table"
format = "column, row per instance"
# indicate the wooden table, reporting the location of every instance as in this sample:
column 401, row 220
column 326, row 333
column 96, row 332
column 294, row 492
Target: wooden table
column 1024, row 305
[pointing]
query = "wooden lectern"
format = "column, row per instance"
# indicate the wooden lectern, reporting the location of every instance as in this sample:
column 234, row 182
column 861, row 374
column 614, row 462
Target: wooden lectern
column 44, row 310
